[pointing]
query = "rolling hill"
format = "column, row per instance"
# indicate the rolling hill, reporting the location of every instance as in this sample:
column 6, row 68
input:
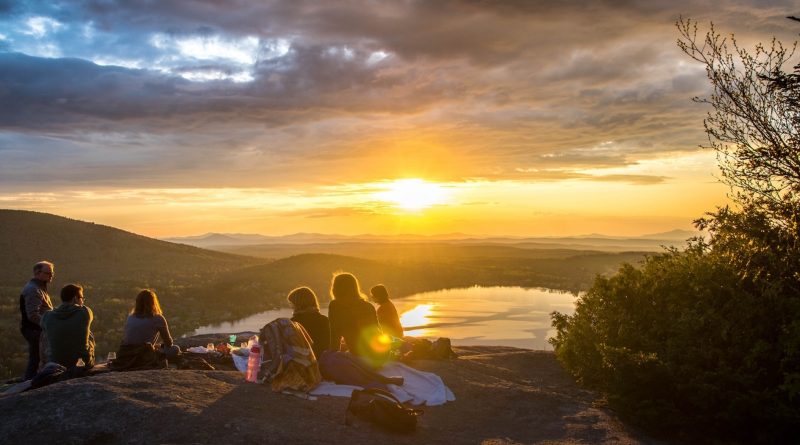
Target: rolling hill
column 88, row 252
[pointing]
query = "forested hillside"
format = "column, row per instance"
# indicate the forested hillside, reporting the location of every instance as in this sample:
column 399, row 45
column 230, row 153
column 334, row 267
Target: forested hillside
column 198, row 286
column 86, row 252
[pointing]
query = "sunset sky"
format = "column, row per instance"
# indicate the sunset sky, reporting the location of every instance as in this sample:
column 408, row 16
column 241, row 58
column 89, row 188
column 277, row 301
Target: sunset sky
column 384, row 117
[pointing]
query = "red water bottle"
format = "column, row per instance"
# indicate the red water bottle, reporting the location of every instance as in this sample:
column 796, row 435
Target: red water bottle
column 253, row 363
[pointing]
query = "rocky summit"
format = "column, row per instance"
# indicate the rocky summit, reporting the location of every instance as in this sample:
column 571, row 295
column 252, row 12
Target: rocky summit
column 503, row 396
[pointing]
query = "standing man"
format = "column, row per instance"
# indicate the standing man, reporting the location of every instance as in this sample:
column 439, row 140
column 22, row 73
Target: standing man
column 34, row 301
column 68, row 329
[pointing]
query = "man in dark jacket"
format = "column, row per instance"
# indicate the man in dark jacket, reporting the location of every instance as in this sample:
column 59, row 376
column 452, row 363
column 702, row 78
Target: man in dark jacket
column 68, row 329
column 34, row 301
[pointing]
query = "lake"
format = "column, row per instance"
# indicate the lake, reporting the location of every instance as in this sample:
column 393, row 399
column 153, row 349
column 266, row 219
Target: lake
column 502, row 316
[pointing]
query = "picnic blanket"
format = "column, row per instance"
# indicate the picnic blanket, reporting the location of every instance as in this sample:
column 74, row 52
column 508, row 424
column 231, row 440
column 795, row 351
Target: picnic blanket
column 419, row 387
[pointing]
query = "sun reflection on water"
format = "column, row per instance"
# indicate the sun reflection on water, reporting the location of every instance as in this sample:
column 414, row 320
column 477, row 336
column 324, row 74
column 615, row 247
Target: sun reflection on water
column 417, row 318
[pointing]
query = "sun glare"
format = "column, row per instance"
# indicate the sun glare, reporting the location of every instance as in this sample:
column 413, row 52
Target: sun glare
column 418, row 316
column 413, row 194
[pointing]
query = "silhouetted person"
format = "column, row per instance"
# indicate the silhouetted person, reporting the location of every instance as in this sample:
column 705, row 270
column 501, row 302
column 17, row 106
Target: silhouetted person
column 388, row 319
column 306, row 312
column 146, row 324
column 353, row 319
column 68, row 329
column 34, row 301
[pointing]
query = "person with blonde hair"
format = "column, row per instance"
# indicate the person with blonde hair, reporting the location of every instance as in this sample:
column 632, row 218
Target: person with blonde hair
column 306, row 312
column 146, row 324
column 353, row 319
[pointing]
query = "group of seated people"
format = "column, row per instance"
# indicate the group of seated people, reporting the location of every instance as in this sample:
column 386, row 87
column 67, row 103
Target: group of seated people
column 354, row 339
column 352, row 324
column 63, row 334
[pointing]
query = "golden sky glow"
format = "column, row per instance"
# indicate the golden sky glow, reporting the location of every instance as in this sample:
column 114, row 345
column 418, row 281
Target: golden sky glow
column 516, row 118
column 409, row 206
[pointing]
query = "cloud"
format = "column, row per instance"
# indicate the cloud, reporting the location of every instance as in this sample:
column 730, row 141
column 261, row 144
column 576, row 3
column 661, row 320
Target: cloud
column 242, row 93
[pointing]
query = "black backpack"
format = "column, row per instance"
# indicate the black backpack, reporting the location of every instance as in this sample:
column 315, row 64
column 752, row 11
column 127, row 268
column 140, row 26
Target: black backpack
column 382, row 408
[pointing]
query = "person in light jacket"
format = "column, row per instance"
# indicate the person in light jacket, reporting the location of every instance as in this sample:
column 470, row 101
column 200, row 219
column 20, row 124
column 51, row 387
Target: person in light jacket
column 34, row 301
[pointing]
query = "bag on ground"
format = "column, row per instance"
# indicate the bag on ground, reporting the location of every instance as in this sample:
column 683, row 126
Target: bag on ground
column 382, row 409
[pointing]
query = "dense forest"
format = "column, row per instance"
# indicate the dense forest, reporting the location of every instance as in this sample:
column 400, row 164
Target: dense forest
column 198, row 286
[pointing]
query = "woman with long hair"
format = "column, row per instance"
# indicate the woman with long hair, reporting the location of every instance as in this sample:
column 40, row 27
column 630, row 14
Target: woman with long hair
column 387, row 313
column 306, row 312
column 146, row 324
column 354, row 328
column 353, row 319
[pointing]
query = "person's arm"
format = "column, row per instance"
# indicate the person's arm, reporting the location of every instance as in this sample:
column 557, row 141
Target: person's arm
column 34, row 299
column 325, row 334
column 336, row 330
column 397, row 327
column 88, row 352
column 163, row 330
column 373, row 316
column 383, row 316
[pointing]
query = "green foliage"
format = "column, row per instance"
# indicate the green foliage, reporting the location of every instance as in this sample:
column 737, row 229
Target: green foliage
column 691, row 340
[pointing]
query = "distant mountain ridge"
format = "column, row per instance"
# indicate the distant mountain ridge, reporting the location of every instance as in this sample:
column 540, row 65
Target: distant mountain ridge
column 647, row 242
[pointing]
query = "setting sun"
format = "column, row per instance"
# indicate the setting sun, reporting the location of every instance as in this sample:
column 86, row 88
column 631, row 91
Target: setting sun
column 413, row 194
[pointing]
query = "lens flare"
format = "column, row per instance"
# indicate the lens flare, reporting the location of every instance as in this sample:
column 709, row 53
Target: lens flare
column 380, row 343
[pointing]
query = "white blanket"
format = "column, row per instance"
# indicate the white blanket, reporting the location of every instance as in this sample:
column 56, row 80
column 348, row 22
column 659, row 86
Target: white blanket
column 240, row 362
column 419, row 387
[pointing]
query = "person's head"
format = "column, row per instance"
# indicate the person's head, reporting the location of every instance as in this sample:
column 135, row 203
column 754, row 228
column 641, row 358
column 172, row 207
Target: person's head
column 72, row 293
column 146, row 304
column 345, row 287
column 379, row 294
column 44, row 271
column 303, row 298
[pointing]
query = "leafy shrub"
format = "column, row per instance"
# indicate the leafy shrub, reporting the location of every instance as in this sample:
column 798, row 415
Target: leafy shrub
column 695, row 340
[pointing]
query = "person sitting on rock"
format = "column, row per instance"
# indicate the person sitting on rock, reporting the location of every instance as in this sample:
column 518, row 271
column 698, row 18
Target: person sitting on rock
column 353, row 319
column 306, row 312
column 387, row 313
column 68, row 329
column 146, row 324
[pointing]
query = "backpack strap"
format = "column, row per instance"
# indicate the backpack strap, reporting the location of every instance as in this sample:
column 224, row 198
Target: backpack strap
column 382, row 393
column 387, row 395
